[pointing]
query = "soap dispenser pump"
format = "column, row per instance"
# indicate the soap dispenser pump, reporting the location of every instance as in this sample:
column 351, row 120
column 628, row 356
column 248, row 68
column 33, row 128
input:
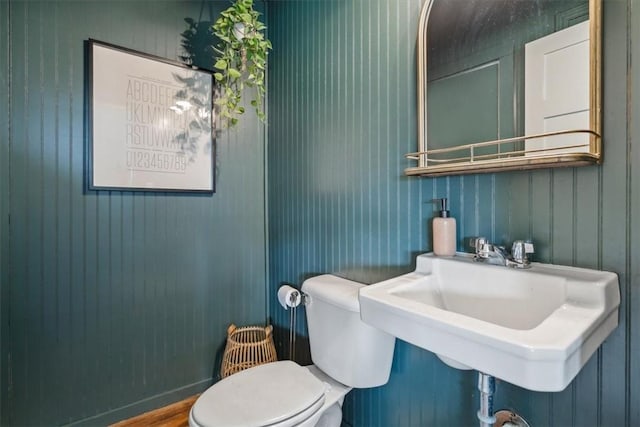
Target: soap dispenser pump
column 444, row 231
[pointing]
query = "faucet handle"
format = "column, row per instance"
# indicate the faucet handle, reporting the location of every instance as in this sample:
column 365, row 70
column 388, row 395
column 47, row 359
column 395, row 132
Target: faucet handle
column 480, row 244
column 476, row 242
column 519, row 251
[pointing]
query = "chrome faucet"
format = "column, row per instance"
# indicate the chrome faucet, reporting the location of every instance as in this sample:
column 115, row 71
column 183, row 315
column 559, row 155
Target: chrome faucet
column 498, row 255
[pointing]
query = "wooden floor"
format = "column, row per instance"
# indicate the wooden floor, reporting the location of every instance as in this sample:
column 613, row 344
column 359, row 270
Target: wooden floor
column 174, row 415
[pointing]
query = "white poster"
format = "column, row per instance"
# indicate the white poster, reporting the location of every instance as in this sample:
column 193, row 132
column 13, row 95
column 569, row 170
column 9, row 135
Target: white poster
column 151, row 123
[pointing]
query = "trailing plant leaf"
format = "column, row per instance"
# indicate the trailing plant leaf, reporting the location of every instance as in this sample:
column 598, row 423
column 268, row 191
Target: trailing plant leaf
column 242, row 59
column 233, row 73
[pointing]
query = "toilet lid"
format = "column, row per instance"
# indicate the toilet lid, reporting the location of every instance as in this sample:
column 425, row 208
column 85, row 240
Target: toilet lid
column 260, row 396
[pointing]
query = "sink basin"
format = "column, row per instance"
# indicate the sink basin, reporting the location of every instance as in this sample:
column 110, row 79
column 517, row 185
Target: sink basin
column 535, row 328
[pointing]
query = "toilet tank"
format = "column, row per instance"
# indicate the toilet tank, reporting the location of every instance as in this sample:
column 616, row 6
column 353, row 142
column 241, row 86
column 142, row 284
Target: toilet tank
column 342, row 345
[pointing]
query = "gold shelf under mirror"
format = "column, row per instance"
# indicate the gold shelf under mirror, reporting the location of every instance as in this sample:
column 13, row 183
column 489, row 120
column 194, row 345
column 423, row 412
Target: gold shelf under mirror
column 513, row 159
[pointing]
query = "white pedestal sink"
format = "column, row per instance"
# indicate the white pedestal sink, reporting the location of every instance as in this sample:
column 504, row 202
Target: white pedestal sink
column 535, row 328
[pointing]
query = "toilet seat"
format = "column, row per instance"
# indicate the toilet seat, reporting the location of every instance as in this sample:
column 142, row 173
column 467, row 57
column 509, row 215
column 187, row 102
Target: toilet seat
column 278, row 394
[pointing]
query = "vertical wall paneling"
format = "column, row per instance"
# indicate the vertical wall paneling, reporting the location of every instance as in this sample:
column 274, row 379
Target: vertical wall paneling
column 342, row 83
column 588, row 384
column 615, row 194
column 5, row 120
column 117, row 302
column 633, row 351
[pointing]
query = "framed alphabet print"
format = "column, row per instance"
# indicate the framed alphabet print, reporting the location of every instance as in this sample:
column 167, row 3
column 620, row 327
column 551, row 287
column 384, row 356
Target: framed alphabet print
column 150, row 122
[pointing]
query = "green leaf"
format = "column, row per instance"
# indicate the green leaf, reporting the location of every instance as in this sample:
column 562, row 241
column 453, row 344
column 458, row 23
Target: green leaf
column 221, row 64
column 233, row 73
column 219, row 77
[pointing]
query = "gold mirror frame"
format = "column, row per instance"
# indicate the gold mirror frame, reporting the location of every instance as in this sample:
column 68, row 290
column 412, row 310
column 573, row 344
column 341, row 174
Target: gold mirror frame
column 469, row 163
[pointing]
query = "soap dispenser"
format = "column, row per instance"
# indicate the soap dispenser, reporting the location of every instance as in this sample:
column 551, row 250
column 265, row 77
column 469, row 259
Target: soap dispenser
column 444, row 231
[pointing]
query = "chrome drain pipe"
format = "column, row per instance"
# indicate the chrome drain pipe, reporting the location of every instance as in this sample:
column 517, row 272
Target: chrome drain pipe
column 487, row 386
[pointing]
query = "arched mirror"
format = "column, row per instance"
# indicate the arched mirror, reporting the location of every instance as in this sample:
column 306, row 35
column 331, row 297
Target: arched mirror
column 505, row 85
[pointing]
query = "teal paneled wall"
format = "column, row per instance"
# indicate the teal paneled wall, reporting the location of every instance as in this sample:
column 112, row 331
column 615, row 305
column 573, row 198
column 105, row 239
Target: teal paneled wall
column 342, row 109
column 112, row 302
column 4, row 174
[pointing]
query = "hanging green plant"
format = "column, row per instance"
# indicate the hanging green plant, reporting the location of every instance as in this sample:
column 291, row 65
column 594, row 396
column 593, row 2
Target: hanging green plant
column 242, row 59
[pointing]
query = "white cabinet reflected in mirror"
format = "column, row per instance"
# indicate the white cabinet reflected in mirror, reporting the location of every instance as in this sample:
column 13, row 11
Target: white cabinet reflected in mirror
column 506, row 85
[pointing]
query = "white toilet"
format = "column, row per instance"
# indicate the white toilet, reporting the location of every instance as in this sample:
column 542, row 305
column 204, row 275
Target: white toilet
column 346, row 354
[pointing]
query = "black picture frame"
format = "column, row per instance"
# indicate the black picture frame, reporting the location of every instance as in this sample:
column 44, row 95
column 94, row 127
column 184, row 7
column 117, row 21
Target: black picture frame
column 151, row 122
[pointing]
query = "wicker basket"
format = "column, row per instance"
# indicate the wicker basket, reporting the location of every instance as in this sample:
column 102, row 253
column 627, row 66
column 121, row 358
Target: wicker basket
column 246, row 347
